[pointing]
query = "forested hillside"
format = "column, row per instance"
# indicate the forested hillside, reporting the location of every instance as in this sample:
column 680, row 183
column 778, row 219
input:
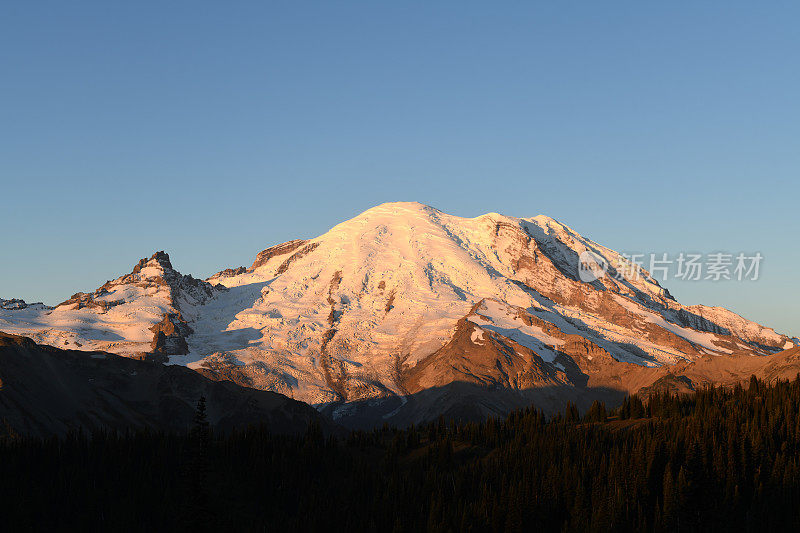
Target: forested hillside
column 720, row 459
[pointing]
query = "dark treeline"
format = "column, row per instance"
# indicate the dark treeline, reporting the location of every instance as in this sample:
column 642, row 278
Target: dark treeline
column 720, row 459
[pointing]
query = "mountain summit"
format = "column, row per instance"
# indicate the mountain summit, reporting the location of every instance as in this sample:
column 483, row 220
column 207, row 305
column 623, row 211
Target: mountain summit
column 123, row 316
column 404, row 299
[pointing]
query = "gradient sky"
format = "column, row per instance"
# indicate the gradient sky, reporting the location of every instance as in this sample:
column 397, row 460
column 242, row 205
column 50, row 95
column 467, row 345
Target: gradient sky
column 213, row 130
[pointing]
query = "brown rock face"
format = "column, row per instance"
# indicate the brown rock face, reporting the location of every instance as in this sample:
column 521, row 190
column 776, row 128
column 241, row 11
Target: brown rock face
column 279, row 249
column 480, row 356
column 16, row 304
column 177, row 283
column 546, row 265
column 83, row 300
column 230, row 272
column 162, row 258
column 308, row 248
column 169, row 335
column 262, row 258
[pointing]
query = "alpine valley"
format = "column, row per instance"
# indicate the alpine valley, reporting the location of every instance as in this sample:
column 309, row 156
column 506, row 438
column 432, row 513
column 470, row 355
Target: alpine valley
column 398, row 316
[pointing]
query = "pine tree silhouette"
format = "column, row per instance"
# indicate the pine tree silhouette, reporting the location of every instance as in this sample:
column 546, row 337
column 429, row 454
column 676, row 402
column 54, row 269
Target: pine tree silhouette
column 719, row 459
column 198, row 515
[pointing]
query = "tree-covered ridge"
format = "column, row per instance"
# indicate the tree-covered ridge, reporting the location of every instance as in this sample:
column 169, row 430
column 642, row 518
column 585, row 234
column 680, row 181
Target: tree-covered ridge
column 720, row 459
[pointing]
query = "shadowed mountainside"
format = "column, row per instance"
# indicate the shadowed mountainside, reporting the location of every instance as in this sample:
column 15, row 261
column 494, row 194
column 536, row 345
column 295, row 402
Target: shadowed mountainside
column 46, row 390
column 465, row 396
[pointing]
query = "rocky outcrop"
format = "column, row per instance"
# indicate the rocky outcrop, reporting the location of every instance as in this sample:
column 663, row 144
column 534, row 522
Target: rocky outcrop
column 229, row 272
column 169, row 335
column 302, row 252
column 12, row 304
column 180, row 285
column 479, row 356
column 274, row 251
column 83, row 300
column 16, row 304
column 153, row 272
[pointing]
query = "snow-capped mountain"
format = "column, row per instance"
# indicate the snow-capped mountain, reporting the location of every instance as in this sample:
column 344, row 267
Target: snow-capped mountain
column 139, row 314
column 398, row 300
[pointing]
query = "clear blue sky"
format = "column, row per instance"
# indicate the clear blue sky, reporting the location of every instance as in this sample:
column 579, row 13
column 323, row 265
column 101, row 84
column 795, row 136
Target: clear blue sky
column 215, row 129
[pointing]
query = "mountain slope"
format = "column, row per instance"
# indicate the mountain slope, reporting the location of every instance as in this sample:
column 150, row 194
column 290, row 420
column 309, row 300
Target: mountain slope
column 346, row 315
column 45, row 391
column 138, row 314
column 404, row 299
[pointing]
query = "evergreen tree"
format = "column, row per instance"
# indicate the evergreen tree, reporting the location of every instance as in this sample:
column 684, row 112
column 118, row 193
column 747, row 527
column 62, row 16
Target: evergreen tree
column 715, row 460
column 197, row 511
